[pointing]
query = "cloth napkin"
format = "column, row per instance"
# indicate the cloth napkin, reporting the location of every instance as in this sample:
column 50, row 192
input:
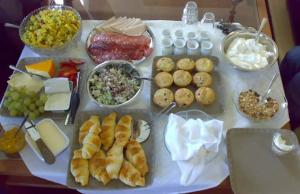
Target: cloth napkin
column 190, row 143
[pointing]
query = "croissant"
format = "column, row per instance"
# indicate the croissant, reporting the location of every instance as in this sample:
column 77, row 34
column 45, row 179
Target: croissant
column 108, row 130
column 85, row 127
column 123, row 130
column 80, row 168
column 97, row 167
column 130, row 175
column 91, row 142
column 114, row 160
column 136, row 156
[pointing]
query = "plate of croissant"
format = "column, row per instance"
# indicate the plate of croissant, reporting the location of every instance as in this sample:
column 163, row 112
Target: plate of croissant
column 104, row 154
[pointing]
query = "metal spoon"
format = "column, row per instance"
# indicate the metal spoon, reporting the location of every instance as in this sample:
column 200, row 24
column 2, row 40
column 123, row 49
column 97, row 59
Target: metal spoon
column 9, row 25
column 264, row 96
column 144, row 78
column 262, row 25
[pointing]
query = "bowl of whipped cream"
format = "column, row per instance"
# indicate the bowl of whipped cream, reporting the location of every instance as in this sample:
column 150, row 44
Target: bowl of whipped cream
column 246, row 53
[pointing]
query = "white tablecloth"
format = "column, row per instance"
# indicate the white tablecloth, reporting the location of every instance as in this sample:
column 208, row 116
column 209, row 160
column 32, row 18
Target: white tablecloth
column 166, row 172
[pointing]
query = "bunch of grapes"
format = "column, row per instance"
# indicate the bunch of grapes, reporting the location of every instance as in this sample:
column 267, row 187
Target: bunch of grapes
column 21, row 102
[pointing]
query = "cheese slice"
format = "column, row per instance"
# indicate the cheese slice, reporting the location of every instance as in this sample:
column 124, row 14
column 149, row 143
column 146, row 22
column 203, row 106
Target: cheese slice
column 44, row 68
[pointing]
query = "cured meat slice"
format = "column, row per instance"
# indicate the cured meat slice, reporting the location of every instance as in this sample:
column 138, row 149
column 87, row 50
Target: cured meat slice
column 110, row 39
column 111, row 46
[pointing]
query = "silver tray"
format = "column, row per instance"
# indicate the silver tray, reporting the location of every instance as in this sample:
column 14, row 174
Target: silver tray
column 113, row 184
column 216, row 108
column 29, row 60
column 255, row 168
column 148, row 33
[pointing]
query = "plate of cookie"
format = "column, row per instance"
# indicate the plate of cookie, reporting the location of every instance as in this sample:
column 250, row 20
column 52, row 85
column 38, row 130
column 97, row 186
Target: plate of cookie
column 104, row 154
column 192, row 81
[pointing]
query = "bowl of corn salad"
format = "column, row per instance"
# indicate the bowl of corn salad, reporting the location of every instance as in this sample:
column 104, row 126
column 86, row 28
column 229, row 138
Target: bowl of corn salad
column 51, row 30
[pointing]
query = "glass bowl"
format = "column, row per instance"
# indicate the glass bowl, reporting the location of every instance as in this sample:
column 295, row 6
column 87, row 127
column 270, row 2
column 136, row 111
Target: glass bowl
column 196, row 114
column 9, row 143
column 58, row 50
column 260, row 88
column 247, row 34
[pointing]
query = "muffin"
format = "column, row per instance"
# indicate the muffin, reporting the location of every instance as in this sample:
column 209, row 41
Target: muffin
column 184, row 97
column 201, row 79
column 205, row 95
column 165, row 64
column 186, row 64
column 163, row 79
column 163, row 97
column 182, row 78
column 204, row 64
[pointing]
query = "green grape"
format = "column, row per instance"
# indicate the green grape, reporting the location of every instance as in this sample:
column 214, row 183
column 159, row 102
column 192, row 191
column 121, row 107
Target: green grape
column 32, row 115
column 36, row 112
column 43, row 97
column 17, row 105
column 6, row 103
column 41, row 109
column 39, row 102
column 22, row 91
column 27, row 101
column 32, row 107
column 15, row 96
column 13, row 112
column 31, row 94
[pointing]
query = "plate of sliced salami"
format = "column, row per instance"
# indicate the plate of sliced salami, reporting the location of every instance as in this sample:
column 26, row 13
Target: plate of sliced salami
column 120, row 39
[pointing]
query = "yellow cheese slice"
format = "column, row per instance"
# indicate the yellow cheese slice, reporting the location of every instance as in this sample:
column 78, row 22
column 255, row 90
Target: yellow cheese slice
column 44, row 68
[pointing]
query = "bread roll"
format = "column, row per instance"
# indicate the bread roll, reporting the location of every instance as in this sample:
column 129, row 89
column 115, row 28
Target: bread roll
column 85, row 127
column 91, row 142
column 123, row 130
column 80, row 168
column 130, row 175
column 97, row 167
column 136, row 156
column 108, row 130
column 114, row 160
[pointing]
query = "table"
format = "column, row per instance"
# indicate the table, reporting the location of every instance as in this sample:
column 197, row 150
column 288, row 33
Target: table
column 231, row 118
column 224, row 187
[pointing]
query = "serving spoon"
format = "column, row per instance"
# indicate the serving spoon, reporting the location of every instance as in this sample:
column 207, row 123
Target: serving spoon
column 268, row 90
column 262, row 25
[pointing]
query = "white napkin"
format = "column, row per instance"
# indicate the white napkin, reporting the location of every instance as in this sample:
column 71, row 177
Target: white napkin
column 190, row 142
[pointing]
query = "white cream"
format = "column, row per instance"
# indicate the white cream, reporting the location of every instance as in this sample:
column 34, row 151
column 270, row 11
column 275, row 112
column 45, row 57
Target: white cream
column 248, row 54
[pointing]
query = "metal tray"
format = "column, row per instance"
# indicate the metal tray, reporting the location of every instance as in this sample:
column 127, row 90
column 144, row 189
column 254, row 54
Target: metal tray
column 255, row 168
column 148, row 33
column 215, row 108
column 29, row 60
column 113, row 184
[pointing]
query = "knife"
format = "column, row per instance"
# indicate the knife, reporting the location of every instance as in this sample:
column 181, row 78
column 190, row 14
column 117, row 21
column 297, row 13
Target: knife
column 75, row 101
column 35, row 136
column 30, row 74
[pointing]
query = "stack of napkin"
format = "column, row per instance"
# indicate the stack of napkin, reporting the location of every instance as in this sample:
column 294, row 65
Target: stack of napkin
column 190, row 143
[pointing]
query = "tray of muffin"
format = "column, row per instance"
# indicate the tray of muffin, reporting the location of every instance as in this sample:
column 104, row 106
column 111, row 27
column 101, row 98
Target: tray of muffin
column 192, row 81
